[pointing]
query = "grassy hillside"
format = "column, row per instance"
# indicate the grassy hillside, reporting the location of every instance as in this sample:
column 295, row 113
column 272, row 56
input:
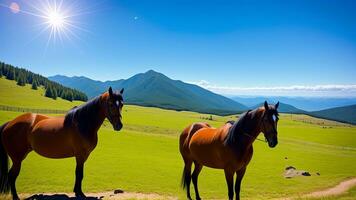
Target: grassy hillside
column 14, row 95
column 144, row 157
column 343, row 114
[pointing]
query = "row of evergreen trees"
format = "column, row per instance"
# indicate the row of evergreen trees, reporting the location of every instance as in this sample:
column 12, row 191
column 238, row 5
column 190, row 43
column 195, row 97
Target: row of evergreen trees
column 53, row 89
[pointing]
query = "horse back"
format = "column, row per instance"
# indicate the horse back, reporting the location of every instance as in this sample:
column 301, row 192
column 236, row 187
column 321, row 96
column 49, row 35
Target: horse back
column 207, row 147
column 187, row 134
column 23, row 123
column 15, row 134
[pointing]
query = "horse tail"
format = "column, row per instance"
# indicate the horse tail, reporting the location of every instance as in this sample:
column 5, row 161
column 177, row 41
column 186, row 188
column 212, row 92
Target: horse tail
column 185, row 178
column 4, row 165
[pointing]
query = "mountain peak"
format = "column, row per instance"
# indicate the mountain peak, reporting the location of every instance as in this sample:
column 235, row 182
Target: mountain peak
column 151, row 71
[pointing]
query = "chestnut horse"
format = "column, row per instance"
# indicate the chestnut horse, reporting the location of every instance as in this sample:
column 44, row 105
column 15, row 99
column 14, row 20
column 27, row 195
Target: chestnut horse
column 74, row 135
column 228, row 147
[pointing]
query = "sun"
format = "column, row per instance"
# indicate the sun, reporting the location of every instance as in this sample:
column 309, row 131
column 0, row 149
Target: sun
column 55, row 19
column 60, row 19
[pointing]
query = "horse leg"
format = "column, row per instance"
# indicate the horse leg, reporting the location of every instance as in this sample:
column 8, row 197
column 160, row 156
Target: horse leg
column 197, row 170
column 13, row 174
column 229, row 176
column 79, row 177
column 187, row 176
column 14, row 171
column 239, row 175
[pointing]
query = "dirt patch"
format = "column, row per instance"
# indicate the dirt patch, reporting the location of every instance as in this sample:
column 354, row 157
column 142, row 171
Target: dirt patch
column 291, row 172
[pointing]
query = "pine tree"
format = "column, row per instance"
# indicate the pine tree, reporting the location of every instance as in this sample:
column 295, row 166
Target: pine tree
column 2, row 69
column 34, row 85
column 21, row 80
column 63, row 95
column 54, row 93
column 70, row 96
column 48, row 92
column 11, row 74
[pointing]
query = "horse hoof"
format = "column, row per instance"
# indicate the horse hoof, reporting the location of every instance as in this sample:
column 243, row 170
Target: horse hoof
column 80, row 195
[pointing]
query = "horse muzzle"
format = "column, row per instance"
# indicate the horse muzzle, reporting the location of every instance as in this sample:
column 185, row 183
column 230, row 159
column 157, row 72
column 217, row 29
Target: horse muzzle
column 272, row 142
column 117, row 127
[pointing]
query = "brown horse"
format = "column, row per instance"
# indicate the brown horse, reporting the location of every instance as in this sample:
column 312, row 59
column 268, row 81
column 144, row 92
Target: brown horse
column 228, row 147
column 74, row 135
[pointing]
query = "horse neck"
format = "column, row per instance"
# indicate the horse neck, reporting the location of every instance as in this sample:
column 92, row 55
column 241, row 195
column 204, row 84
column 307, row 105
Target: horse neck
column 101, row 115
column 251, row 130
column 93, row 115
column 255, row 125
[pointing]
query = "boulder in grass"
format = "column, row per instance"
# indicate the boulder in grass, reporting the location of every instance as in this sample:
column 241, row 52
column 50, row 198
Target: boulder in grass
column 291, row 172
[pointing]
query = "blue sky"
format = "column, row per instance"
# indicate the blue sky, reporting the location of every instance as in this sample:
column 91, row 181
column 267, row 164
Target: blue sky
column 231, row 47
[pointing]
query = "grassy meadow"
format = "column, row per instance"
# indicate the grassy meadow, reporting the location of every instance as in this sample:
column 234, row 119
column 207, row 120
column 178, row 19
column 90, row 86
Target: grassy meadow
column 144, row 156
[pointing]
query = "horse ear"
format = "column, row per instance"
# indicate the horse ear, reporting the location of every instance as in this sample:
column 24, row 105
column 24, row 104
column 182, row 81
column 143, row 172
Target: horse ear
column 122, row 91
column 266, row 105
column 276, row 106
column 110, row 91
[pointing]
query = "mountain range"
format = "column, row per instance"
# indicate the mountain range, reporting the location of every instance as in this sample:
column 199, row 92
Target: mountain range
column 155, row 89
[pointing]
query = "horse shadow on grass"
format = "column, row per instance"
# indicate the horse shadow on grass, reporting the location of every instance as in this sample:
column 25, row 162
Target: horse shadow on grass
column 58, row 197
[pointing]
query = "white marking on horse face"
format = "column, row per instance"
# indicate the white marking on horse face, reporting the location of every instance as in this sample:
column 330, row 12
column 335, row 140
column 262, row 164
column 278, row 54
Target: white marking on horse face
column 274, row 118
column 117, row 103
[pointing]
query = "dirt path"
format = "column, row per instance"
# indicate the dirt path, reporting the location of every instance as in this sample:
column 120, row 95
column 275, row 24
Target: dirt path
column 339, row 189
column 97, row 196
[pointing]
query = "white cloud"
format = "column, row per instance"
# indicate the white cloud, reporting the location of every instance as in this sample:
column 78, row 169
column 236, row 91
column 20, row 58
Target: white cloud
column 293, row 90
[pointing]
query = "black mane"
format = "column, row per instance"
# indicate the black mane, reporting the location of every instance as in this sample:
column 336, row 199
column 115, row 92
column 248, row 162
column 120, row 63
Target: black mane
column 236, row 129
column 84, row 116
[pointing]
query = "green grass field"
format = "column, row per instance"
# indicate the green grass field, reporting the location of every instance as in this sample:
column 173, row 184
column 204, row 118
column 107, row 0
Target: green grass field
column 144, row 156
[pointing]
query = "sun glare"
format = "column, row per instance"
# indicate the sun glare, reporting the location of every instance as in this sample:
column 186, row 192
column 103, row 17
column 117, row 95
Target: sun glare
column 55, row 19
column 60, row 19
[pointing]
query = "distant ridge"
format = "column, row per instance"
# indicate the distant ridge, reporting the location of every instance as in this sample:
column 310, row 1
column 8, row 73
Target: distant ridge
column 304, row 103
column 155, row 89
column 345, row 114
